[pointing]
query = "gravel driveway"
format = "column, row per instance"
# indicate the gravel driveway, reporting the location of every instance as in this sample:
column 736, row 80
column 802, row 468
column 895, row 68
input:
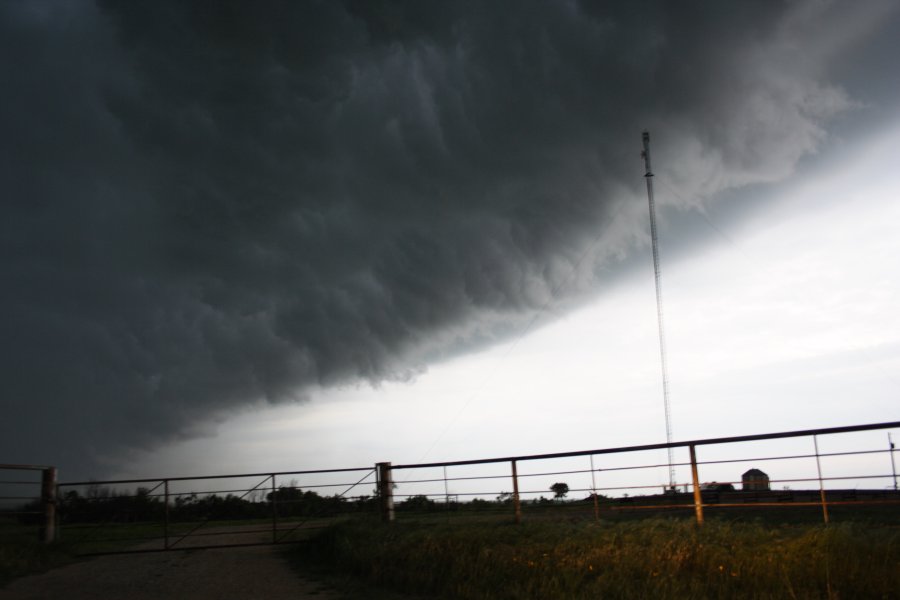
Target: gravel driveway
column 246, row 573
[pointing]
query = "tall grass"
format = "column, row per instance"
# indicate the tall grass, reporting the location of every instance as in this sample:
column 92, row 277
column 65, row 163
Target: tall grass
column 22, row 554
column 639, row 559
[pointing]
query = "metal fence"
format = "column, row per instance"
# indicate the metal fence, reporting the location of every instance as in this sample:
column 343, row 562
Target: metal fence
column 178, row 513
column 838, row 468
column 819, row 473
column 28, row 500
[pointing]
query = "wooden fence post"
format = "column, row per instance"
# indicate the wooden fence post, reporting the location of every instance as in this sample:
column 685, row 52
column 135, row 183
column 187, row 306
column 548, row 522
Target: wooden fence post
column 594, row 491
column 822, row 498
column 517, row 505
column 166, row 514
column 274, row 510
column 698, row 497
column 385, row 491
column 48, row 499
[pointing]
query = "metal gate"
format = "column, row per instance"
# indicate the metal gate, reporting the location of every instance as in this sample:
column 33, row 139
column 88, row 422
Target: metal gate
column 216, row 511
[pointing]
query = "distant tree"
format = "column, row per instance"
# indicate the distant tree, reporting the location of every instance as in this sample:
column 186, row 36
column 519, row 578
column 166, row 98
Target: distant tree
column 417, row 503
column 480, row 504
column 559, row 490
column 377, row 492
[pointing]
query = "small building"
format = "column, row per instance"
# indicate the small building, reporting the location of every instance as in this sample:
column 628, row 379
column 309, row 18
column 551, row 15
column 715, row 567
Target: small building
column 755, row 480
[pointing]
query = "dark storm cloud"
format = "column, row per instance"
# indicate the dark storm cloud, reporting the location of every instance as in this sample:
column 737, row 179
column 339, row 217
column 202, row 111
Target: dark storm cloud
column 210, row 204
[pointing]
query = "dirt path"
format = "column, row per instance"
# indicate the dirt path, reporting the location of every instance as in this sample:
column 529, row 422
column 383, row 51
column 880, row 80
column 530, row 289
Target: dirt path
column 246, row 573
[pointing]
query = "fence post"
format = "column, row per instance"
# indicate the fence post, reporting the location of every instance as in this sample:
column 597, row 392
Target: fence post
column 594, row 491
column 821, row 485
column 48, row 499
column 698, row 497
column 446, row 489
column 166, row 514
column 385, row 491
column 274, row 510
column 893, row 465
column 517, row 506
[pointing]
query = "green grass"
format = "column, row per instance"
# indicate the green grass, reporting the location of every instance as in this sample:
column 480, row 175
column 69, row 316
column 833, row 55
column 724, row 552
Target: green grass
column 652, row 558
column 88, row 538
column 21, row 553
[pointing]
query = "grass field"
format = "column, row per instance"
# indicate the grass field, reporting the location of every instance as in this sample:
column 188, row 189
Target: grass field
column 560, row 554
column 653, row 558
column 22, row 554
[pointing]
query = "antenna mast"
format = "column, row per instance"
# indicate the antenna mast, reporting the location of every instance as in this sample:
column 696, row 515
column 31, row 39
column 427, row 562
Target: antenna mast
column 648, row 176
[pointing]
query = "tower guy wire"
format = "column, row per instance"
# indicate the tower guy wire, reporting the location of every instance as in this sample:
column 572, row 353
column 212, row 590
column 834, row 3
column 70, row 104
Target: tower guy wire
column 648, row 177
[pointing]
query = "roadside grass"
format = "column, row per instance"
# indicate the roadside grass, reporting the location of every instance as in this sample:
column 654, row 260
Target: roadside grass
column 113, row 536
column 21, row 553
column 652, row 558
column 99, row 538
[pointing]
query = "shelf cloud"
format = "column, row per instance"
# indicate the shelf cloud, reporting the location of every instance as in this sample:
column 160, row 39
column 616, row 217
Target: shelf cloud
column 213, row 205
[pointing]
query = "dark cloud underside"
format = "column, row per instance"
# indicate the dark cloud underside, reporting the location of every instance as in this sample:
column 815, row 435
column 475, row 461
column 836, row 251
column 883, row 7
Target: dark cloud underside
column 212, row 203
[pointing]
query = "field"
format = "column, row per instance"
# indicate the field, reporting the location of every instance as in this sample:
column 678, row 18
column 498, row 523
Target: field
column 21, row 553
column 647, row 558
column 559, row 551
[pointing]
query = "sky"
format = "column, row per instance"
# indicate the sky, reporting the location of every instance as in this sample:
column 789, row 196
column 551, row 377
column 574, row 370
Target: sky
column 276, row 236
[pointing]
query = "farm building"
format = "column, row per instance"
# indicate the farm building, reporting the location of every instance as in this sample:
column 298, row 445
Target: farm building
column 755, row 480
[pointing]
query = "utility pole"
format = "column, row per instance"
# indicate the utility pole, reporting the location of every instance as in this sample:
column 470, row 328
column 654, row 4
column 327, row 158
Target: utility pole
column 648, row 177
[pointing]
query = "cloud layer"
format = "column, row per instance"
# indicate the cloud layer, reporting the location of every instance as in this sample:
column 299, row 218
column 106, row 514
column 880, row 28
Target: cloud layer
column 211, row 205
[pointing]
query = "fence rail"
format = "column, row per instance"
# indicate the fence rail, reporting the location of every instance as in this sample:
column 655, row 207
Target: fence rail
column 629, row 485
column 40, row 506
column 175, row 513
column 143, row 515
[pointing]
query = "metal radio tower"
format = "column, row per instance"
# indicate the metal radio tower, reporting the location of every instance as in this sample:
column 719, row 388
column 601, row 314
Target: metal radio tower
column 648, row 176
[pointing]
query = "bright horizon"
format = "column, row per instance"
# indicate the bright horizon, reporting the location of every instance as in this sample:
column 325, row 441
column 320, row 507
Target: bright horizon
column 813, row 339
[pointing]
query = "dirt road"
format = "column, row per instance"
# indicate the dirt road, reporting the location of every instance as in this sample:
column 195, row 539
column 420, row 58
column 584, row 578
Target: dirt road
column 246, row 573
